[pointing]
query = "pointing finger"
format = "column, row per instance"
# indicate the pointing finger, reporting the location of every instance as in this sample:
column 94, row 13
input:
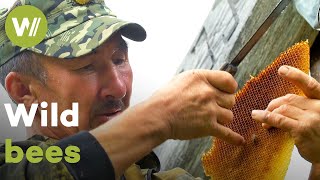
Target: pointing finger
column 228, row 135
column 274, row 119
column 309, row 86
column 294, row 100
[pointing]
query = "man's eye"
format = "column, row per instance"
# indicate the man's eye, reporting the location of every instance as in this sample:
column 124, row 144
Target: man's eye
column 119, row 57
column 119, row 61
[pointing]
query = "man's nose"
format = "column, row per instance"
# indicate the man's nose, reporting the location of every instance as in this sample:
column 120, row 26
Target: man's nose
column 113, row 83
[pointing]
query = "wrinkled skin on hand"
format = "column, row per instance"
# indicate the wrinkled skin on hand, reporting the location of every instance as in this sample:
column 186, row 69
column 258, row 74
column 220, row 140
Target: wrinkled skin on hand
column 197, row 103
column 298, row 115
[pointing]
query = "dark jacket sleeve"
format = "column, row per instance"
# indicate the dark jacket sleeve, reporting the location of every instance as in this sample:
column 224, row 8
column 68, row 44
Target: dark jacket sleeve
column 94, row 162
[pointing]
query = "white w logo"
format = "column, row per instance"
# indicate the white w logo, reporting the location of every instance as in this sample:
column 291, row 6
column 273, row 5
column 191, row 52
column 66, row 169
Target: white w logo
column 25, row 25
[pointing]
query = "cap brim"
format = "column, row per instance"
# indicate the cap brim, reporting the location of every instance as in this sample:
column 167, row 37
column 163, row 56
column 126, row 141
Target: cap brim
column 83, row 38
column 134, row 32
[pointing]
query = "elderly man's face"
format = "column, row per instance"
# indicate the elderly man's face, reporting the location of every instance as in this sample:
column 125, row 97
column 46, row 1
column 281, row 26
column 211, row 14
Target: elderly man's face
column 100, row 82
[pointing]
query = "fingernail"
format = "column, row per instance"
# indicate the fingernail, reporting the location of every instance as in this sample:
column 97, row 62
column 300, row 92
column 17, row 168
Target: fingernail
column 243, row 142
column 283, row 70
column 254, row 113
column 265, row 126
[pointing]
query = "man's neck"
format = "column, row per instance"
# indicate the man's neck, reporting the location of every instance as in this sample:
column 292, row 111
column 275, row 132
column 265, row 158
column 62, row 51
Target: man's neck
column 34, row 130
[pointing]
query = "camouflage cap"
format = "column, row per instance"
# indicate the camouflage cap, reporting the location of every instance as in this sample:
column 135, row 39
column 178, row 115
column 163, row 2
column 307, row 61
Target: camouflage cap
column 75, row 28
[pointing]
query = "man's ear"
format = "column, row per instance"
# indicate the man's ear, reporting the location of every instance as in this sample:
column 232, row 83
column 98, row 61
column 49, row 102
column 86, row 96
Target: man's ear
column 18, row 88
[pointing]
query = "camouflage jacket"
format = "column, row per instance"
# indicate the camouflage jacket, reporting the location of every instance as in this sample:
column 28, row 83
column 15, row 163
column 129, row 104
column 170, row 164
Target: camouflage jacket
column 94, row 163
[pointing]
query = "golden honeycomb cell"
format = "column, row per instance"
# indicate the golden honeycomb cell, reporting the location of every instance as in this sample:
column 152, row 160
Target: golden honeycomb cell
column 267, row 152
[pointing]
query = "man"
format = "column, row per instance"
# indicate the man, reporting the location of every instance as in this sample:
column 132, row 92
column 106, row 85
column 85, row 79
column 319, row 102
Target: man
column 84, row 59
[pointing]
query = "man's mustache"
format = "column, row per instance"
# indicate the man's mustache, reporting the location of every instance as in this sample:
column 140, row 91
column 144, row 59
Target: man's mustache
column 110, row 104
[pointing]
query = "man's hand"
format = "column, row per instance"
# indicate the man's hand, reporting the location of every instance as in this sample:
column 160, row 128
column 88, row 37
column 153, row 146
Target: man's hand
column 197, row 103
column 296, row 114
column 194, row 104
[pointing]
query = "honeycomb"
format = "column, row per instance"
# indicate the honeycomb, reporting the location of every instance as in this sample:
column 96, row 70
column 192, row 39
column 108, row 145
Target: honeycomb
column 267, row 152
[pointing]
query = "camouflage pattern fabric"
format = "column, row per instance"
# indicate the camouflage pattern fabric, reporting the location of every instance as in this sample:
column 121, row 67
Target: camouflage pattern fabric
column 74, row 28
column 26, row 170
